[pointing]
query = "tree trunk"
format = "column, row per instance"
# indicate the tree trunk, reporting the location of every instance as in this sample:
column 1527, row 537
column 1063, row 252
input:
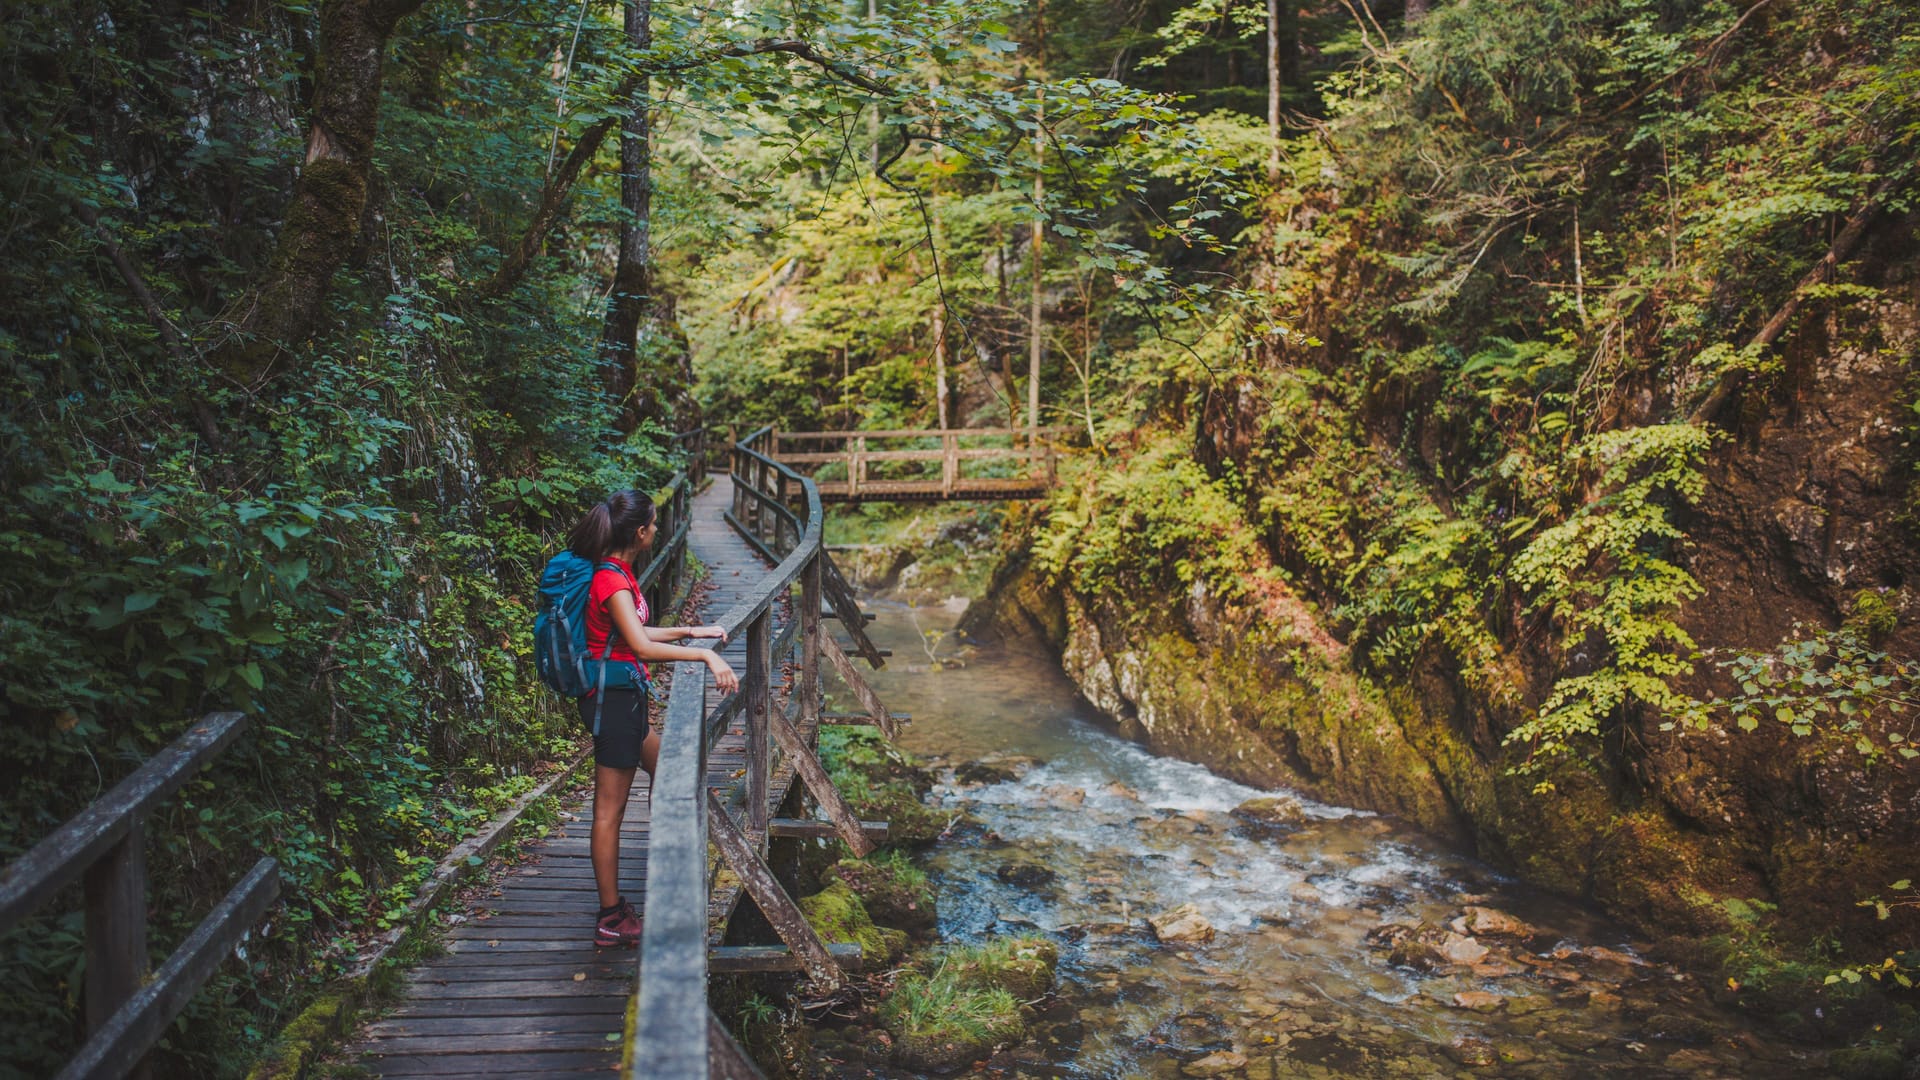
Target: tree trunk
column 1035, row 328
column 631, row 298
column 1273, row 93
column 940, row 297
column 329, row 199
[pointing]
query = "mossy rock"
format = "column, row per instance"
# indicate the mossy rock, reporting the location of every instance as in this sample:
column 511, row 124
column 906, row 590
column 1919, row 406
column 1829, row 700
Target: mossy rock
column 1868, row 1061
column 837, row 915
column 895, row 894
column 939, row 1024
column 1022, row 966
column 910, row 822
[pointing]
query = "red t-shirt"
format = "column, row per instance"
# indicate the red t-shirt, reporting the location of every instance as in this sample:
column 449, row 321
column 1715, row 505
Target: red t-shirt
column 605, row 585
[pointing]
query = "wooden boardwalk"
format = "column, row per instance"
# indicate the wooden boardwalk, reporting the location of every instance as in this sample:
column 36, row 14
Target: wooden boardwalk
column 522, row 990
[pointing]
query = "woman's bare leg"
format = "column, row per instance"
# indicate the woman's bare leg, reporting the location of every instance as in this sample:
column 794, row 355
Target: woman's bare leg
column 610, row 790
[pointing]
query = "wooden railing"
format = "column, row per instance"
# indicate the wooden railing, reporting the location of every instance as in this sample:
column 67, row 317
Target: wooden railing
column 997, row 463
column 693, row 445
column 675, row 1035
column 665, row 574
column 105, row 848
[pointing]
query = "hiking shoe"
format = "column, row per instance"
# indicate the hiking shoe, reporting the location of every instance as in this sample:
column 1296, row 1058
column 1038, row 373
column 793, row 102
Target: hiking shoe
column 619, row 925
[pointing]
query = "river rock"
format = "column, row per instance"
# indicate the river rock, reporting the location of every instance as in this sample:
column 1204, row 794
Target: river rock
column 1024, row 875
column 1473, row 1051
column 1182, row 925
column 1218, row 1063
column 1478, row 1001
column 980, row 773
column 1459, row 949
column 1490, row 922
column 1063, row 795
column 1273, row 811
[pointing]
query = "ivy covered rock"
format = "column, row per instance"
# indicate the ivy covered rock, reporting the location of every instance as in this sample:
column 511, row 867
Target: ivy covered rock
column 895, row 892
column 838, row 916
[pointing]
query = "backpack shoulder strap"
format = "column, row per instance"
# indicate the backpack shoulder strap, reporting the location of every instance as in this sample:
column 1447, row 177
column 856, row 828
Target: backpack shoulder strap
column 613, row 627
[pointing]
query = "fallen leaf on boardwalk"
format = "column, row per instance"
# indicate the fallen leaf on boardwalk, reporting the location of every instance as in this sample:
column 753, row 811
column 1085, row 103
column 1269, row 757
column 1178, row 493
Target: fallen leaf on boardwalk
column 579, row 976
column 494, row 944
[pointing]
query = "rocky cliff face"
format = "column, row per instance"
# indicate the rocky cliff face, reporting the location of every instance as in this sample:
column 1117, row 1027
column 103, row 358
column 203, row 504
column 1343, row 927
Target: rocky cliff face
column 1808, row 506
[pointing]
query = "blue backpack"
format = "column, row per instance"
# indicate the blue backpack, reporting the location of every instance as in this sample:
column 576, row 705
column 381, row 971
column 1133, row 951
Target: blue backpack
column 560, row 652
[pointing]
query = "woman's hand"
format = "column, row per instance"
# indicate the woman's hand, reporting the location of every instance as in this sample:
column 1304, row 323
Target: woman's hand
column 707, row 632
column 723, row 676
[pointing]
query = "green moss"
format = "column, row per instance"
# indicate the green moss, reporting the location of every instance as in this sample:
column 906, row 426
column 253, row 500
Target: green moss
column 895, row 892
column 837, row 915
column 1022, row 966
column 939, row 1023
column 312, row 1033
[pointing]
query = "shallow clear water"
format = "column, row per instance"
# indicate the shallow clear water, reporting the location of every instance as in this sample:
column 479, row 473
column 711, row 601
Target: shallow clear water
column 1095, row 835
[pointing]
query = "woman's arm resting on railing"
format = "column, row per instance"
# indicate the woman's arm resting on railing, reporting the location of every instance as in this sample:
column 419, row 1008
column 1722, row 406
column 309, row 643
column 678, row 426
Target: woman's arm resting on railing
column 675, row 633
column 627, row 618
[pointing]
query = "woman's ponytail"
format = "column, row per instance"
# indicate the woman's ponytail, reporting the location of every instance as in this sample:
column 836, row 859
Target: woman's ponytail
column 611, row 525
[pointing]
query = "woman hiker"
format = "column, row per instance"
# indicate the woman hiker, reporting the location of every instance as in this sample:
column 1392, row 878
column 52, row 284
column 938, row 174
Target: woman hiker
column 618, row 532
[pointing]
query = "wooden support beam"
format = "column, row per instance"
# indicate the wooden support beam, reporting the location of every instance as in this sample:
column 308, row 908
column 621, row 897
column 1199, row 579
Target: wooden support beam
column 850, row 675
column 863, row 718
column 756, row 684
column 845, row 822
column 725, row 1059
column 737, row 959
column 840, row 595
column 809, row 829
column 785, row 916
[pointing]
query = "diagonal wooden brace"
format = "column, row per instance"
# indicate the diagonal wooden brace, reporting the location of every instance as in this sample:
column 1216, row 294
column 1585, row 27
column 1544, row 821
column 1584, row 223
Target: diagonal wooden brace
column 845, row 821
column 785, row 915
column 847, row 608
column 850, row 675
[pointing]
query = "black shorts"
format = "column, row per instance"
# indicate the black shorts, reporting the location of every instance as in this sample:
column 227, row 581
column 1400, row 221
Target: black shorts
column 623, row 727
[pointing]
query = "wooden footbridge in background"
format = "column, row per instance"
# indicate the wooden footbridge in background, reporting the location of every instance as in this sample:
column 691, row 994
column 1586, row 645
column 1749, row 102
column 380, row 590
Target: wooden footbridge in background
column 521, row 990
column 923, row 465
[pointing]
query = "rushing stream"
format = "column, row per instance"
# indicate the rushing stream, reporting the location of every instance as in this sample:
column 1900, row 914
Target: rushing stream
column 1314, row 969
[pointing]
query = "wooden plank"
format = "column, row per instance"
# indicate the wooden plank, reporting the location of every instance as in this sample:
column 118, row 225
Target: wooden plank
column 486, row 1025
column 63, row 855
column 496, row 1041
column 805, row 829
column 137, row 1024
column 516, row 1010
column 726, row 1060
column 784, row 915
column 861, row 691
column 497, row 989
column 845, row 821
column 564, row 1062
column 738, row 959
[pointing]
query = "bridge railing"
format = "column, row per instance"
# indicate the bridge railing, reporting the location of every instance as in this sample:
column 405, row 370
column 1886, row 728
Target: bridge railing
column 936, row 462
column 675, row 1034
column 104, row 847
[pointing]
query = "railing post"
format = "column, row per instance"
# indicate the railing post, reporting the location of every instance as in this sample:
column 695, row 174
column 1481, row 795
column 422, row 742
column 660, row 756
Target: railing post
column 759, row 703
column 812, row 597
column 949, row 461
column 857, row 465
column 116, row 928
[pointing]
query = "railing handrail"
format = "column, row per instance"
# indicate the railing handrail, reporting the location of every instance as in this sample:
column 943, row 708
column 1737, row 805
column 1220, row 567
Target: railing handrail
column 126, row 1012
column 672, row 1015
column 925, row 432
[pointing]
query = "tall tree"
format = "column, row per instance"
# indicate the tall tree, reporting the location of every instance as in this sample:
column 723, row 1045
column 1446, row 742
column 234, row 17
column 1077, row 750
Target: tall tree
column 322, row 223
column 631, row 298
column 1273, row 93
